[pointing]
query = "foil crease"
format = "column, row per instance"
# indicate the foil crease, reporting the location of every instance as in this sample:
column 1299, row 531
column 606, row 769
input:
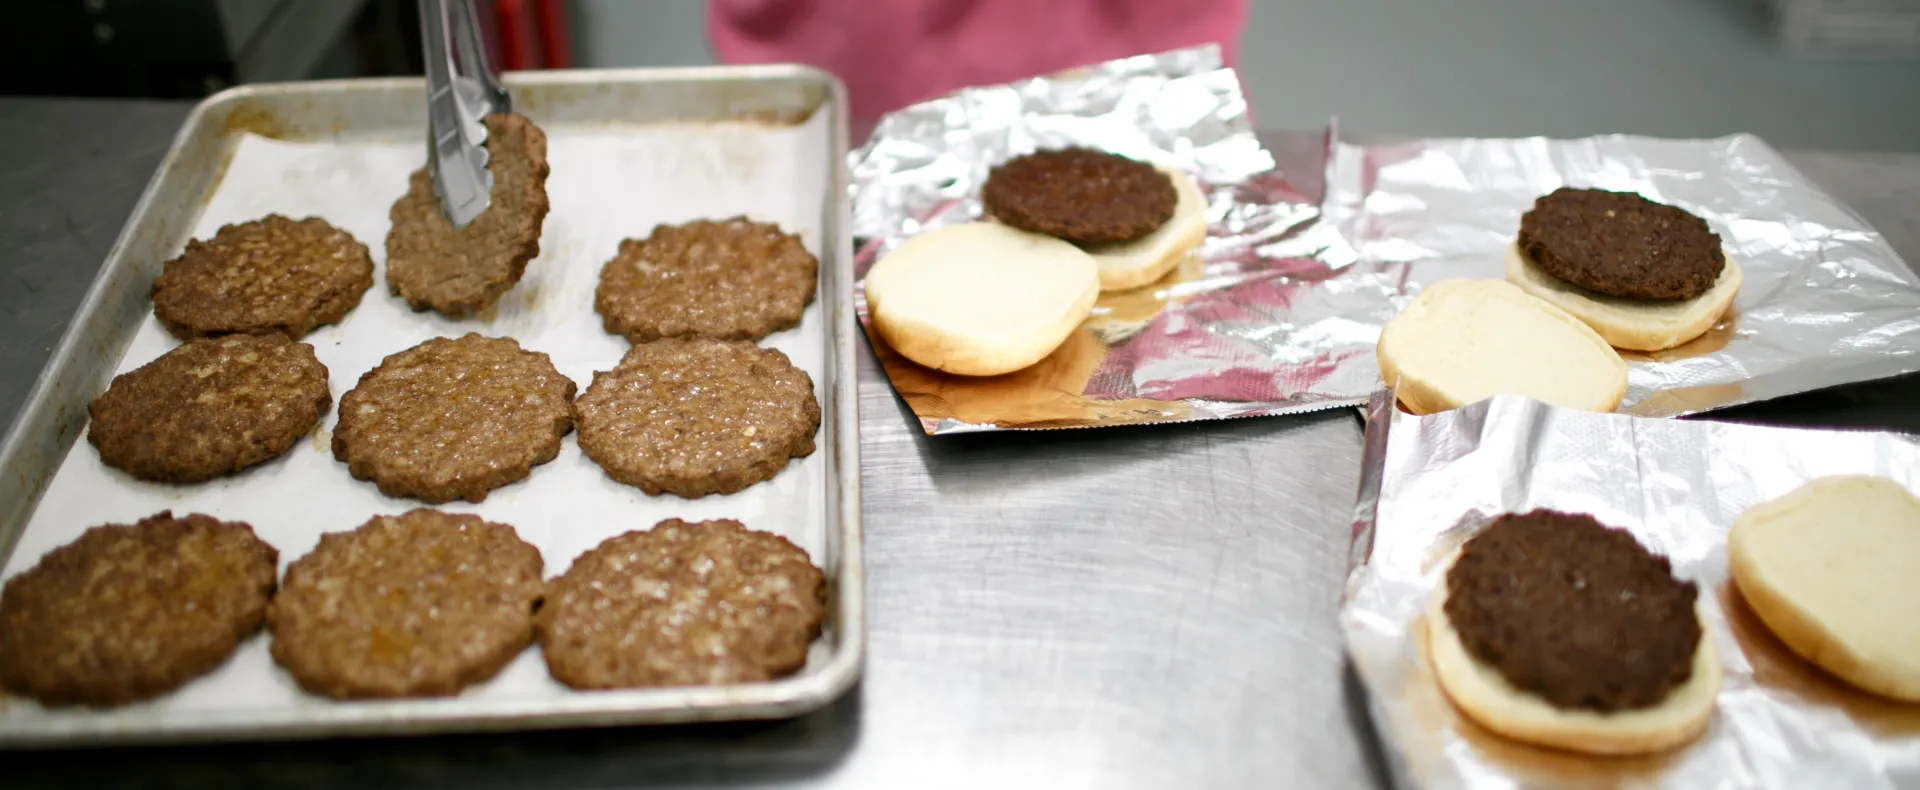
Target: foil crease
column 1429, row 482
column 1279, row 309
column 1250, row 324
column 1826, row 300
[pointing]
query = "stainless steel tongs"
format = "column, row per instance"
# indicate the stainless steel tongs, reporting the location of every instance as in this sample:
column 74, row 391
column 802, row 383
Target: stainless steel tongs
column 463, row 86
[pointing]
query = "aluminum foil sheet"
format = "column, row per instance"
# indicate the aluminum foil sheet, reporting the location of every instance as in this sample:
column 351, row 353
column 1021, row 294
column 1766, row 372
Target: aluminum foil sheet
column 1253, row 323
column 1826, row 300
column 1428, row 482
column 1279, row 309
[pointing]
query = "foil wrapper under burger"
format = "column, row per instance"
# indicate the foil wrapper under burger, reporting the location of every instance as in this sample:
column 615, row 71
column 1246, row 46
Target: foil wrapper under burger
column 1428, row 483
column 1252, row 323
column 1826, row 300
column 1278, row 311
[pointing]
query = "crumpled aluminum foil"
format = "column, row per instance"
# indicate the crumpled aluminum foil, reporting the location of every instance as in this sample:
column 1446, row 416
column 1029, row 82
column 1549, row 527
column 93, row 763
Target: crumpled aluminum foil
column 1826, row 300
column 1281, row 307
column 1428, row 482
column 1249, row 325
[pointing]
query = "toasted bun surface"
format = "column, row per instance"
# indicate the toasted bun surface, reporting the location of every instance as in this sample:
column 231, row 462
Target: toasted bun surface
column 1832, row 568
column 980, row 299
column 1462, row 341
column 1632, row 324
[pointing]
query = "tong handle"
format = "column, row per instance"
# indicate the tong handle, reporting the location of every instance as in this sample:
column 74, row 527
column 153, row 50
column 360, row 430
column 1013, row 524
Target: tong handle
column 473, row 52
column 463, row 87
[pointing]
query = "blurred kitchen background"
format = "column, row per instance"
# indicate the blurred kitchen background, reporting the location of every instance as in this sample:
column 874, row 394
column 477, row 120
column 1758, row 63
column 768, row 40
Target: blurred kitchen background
column 1834, row 74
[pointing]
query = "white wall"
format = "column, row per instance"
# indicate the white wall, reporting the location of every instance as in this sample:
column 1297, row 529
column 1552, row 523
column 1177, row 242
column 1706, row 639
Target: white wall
column 1677, row 68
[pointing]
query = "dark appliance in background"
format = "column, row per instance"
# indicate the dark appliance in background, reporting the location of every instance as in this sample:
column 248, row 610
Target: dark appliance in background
column 186, row 49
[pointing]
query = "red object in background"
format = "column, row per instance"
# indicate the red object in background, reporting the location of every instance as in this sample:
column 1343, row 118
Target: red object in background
column 533, row 34
column 553, row 34
column 892, row 53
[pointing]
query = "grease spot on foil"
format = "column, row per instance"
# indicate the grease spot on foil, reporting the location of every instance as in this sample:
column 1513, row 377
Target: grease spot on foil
column 1777, row 668
column 1049, row 393
column 1231, row 332
column 1677, row 485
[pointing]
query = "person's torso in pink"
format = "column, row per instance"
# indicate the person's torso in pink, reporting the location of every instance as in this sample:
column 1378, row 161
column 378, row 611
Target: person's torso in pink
column 892, row 53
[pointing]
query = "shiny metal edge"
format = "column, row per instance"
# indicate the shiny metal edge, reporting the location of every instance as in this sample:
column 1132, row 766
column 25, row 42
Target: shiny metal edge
column 110, row 314
column 1222, row 410
column 1377, row 419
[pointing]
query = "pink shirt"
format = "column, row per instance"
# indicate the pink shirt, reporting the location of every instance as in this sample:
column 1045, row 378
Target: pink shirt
column 892, row 53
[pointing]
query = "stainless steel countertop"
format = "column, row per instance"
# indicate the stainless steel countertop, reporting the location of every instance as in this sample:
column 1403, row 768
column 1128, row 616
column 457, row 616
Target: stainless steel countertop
column 1147, row 607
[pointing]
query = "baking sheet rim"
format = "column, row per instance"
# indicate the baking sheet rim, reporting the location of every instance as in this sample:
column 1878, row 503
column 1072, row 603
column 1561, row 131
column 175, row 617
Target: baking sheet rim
column 89, row 329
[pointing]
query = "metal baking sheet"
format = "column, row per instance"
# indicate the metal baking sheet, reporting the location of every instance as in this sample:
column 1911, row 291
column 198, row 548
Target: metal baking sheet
column 1427, row 483
column 628, row 149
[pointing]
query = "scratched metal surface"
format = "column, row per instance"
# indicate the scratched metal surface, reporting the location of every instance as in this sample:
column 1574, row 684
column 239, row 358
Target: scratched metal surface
column 1143, row 607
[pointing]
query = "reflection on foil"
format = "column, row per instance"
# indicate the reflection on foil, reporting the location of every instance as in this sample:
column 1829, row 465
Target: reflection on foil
column 1826, row 300
column 1119, row 315
column 1243, row 327
column 1285, row 300
column 1283, row 341
column 1428, row 482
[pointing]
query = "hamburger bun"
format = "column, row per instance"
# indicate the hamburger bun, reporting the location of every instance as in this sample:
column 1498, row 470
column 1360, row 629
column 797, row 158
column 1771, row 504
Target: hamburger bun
column 1131, row 264
column 1827, row 568
column 1631, row 324
column 980, row 298
column 1480, row 692
column 1462, row 341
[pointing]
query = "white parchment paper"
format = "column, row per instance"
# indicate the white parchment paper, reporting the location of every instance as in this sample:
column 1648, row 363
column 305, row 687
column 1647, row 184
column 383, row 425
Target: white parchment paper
column 608, row 182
